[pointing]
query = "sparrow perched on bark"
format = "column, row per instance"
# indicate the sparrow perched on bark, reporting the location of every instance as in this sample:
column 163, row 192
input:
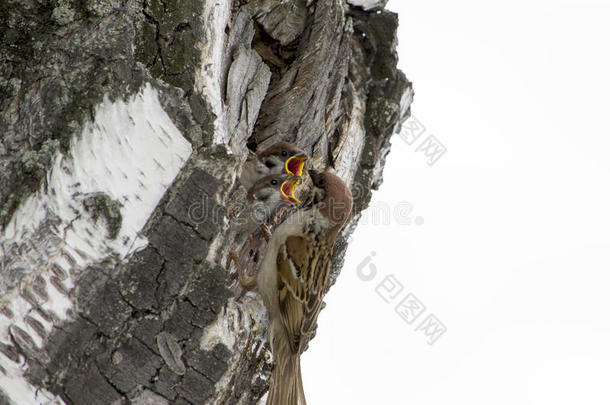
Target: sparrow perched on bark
column 293, row 279
column 282, row 157
column 264, row 199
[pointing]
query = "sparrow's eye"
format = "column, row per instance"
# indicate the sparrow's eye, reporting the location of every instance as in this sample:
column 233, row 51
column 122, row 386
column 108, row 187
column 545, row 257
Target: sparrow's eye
column 269, row 164
column 284, row 153
column 322, row 182
column 274, row 182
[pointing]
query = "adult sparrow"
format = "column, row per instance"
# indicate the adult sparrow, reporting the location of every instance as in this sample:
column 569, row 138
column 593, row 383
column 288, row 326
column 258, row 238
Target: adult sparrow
column 278, row 158
column 293, row 279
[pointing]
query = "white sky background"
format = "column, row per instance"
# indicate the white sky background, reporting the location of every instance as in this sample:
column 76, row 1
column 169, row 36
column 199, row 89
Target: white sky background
column 513, row 255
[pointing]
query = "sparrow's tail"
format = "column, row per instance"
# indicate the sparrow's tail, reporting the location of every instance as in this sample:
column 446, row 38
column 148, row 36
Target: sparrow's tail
column 286, row 386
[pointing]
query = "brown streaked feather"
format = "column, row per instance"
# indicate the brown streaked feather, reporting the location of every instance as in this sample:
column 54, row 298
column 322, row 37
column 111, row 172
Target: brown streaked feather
column 300, row 295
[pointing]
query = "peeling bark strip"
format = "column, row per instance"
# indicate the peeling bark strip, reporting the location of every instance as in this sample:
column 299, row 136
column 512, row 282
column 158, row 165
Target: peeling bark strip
column 124, row 125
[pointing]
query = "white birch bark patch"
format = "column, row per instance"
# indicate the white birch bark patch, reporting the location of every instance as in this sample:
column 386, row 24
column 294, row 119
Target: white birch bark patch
column 129, row 155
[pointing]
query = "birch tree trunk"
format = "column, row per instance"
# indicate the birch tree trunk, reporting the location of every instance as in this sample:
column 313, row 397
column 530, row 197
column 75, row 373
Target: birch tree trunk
column 124, row 125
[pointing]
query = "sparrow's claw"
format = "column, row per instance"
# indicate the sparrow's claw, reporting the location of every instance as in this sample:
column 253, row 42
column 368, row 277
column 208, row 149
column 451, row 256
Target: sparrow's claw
column 266, row 232
column 230, row 258
column 231, row 275
column 230, row 211
column 247, row 282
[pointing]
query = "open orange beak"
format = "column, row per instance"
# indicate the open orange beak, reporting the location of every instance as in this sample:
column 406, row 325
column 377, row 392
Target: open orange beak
column 295, row 165
column 287, row 191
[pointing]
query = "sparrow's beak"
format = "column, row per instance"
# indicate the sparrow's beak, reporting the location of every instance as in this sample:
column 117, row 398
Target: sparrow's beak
column 295, row 165
column 287, row 191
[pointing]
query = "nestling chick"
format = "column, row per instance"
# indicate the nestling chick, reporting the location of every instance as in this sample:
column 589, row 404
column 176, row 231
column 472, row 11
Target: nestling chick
column 282, row 157
column 293, row 279
column 264, row 199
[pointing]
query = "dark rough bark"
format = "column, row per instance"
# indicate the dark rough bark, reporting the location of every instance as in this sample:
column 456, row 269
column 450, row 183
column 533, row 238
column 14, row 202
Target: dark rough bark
column 167, row 323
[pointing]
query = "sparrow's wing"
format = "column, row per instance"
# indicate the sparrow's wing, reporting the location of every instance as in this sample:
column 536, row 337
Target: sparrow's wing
column 303, row 269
